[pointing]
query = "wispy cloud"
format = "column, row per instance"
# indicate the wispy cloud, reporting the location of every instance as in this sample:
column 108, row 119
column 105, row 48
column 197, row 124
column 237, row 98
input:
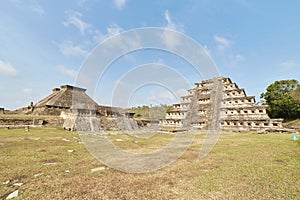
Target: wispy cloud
column 34, row 7
column 81, row 3
column 69, row 72
column 171, row 40
column 168, row 18
column 225, row 51
column 119, row 4
column 27, row 91
column 93, row 37
column 171, row 24
column 222, row 41
column 37, row 9
column 238, row 57
column 113, row 29
column 74, row 18
column 158, row 97
column 6, row 69
column 69, row 49
column 290, row 64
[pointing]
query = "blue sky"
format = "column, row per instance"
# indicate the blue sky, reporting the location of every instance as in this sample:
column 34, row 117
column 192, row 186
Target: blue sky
column 44, row 43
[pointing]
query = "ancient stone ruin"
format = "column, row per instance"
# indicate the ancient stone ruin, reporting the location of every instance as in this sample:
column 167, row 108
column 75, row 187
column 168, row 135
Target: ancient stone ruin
column 214, row 104
column 80, row 112
column 66, row 98
column 222, row 104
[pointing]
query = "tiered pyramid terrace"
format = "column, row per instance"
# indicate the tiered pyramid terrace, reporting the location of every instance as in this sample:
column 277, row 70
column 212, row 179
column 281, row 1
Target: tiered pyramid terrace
column 236, row 110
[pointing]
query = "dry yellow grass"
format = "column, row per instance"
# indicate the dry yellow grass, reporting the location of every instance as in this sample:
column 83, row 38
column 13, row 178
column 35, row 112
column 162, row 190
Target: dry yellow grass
column 241, row 166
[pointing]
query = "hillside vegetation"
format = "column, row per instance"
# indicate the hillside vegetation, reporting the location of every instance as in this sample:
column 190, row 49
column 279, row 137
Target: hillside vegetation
column 157, row 112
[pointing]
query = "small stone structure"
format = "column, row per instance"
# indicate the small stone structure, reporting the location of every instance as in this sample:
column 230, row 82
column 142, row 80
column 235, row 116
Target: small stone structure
column 1, row 111
column 222, row 101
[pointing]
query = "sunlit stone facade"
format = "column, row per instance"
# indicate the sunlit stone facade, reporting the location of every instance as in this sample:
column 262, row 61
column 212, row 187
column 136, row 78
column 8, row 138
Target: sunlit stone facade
column 236, row 110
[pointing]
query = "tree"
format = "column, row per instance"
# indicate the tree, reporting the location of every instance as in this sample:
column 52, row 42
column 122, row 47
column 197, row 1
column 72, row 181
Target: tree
column 283, row 99
column 296, row 95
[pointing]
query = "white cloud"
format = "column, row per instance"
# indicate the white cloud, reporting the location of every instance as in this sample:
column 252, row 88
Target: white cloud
column 74, row 18
column 222, row 41
column 119, row 4
column 27, row 91
column 171, row 39
column 113, row 29
column 81, row 3
column 289, row 64
column 161, row 97
column 29, row 5
column 117, row 44
column 238, row 57
column 226, row 53
column 69, row 49
column 168, row 18
column 7, row 69
column 69, row 72
column 37, row 9
column 98, row 36
column 171, row 24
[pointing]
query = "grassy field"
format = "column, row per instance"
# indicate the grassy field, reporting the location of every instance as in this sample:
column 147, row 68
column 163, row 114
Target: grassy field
column 241, row 166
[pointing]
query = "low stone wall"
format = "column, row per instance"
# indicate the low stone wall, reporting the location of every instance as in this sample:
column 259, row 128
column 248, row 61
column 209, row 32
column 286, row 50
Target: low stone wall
column 293, row 125
column 104, row 123
column 18, row 121
column 13, row 121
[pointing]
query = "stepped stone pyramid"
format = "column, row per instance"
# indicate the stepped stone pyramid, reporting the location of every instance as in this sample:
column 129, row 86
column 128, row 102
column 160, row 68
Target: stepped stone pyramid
column 219, row 103
column 65, row 98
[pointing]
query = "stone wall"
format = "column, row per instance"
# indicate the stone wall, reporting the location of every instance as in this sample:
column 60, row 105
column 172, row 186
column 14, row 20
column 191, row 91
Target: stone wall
column 48, row 110
column 20, row 121
column 15, row 122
